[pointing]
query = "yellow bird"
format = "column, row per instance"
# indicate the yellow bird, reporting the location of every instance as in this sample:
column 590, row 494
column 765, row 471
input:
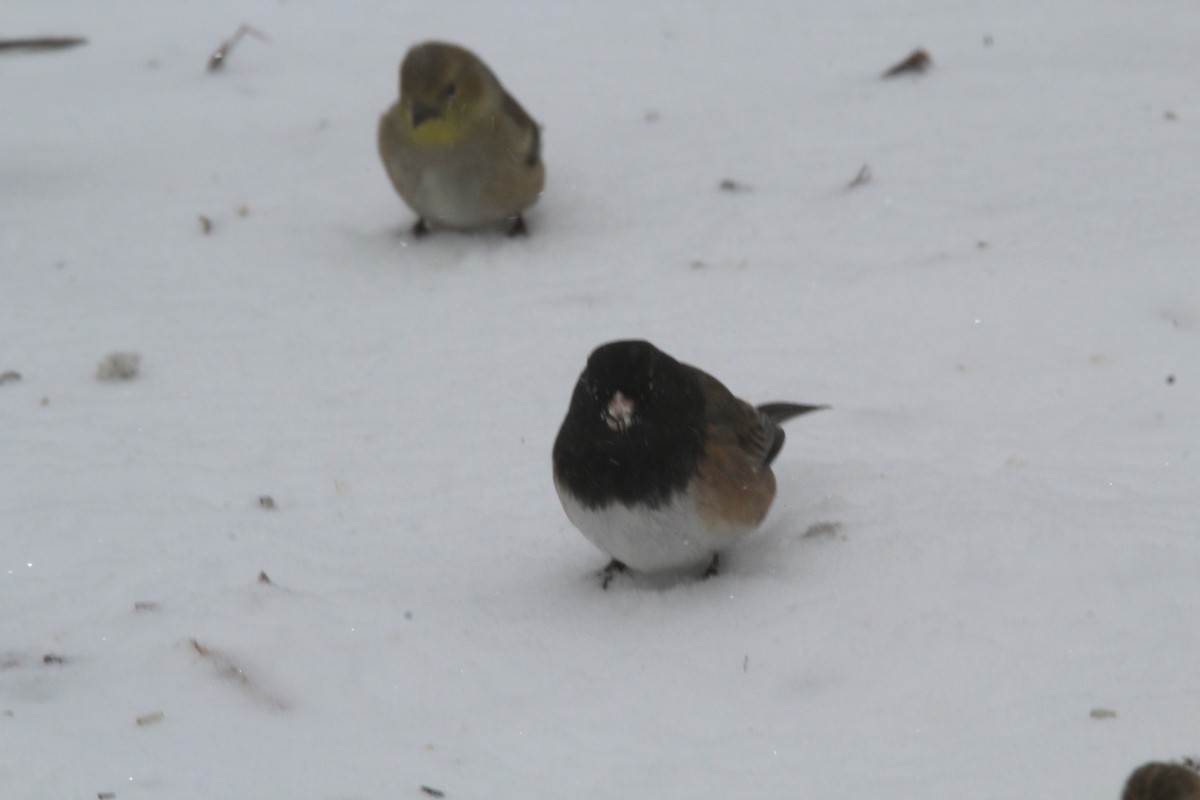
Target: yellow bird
column 460, row 150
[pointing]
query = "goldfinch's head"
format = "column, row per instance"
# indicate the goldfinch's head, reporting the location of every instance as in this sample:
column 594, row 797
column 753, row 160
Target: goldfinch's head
column 444, row 88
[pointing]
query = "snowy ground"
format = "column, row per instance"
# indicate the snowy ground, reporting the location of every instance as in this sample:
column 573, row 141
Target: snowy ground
column 1006, row 319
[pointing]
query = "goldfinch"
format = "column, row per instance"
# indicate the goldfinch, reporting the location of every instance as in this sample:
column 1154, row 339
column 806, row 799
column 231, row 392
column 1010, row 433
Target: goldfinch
column 460, row 150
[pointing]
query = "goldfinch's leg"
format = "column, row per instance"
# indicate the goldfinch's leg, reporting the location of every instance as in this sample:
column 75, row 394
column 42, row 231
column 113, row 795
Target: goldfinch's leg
column 516, row 226
column 609, row 572
column 713, row 568
column 420, row 227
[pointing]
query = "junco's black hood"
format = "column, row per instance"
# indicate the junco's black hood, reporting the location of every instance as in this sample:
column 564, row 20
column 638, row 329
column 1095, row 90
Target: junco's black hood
column 654, row 457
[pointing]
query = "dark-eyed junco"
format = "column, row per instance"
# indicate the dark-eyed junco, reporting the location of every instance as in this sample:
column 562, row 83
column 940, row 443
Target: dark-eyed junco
column 659, row 465
column 1160, row 781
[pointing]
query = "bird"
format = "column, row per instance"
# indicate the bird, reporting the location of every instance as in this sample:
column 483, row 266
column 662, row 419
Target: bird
column 458, row 148
column 659, row 465
column 1157, row 780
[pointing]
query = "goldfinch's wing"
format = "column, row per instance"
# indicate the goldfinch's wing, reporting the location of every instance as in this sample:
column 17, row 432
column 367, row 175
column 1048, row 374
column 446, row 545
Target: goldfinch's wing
column 528, row 129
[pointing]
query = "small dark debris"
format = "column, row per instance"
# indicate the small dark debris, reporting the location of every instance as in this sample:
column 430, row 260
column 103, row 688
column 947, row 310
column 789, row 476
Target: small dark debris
column 51, row 658
column 45, row 401
column 146, row 605
column 1170, row 116
column 106, row 795
column 1170, row 380
column 42, row 43
column 9, row 376
column 918, row 61
column 988, row 41
column 862, row 178
column 432, row 792
column 217, row 59
column 267, row 502
column 408, row 615
column 152, row 718
column 206, row 225
column 119, row 367
column 981, row 245
column 821, row 530
column 262, row 578
column 651, row 116
column 730, row 185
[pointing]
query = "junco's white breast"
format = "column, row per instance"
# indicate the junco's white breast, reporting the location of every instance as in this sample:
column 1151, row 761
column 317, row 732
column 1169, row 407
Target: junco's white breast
column 671, row 536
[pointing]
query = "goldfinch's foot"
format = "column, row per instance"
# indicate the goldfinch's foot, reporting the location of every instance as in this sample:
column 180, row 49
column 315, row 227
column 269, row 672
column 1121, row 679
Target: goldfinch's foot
column 516, row 227
column 609, row 572
column 420, row 227
column 713, row 568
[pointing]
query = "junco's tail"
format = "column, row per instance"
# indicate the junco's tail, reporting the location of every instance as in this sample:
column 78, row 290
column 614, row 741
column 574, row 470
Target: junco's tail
column 782, row 412
column 775, row 413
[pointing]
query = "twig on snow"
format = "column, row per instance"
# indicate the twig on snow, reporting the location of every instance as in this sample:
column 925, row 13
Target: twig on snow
column 217, row 59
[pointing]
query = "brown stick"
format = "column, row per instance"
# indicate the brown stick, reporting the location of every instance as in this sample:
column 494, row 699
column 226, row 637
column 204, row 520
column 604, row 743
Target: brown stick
column 42, row 43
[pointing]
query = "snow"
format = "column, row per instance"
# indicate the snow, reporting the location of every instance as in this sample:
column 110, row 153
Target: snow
column 1005, row 318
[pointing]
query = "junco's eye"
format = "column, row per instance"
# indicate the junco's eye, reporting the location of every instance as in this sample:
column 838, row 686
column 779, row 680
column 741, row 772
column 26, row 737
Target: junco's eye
column 450, row 89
